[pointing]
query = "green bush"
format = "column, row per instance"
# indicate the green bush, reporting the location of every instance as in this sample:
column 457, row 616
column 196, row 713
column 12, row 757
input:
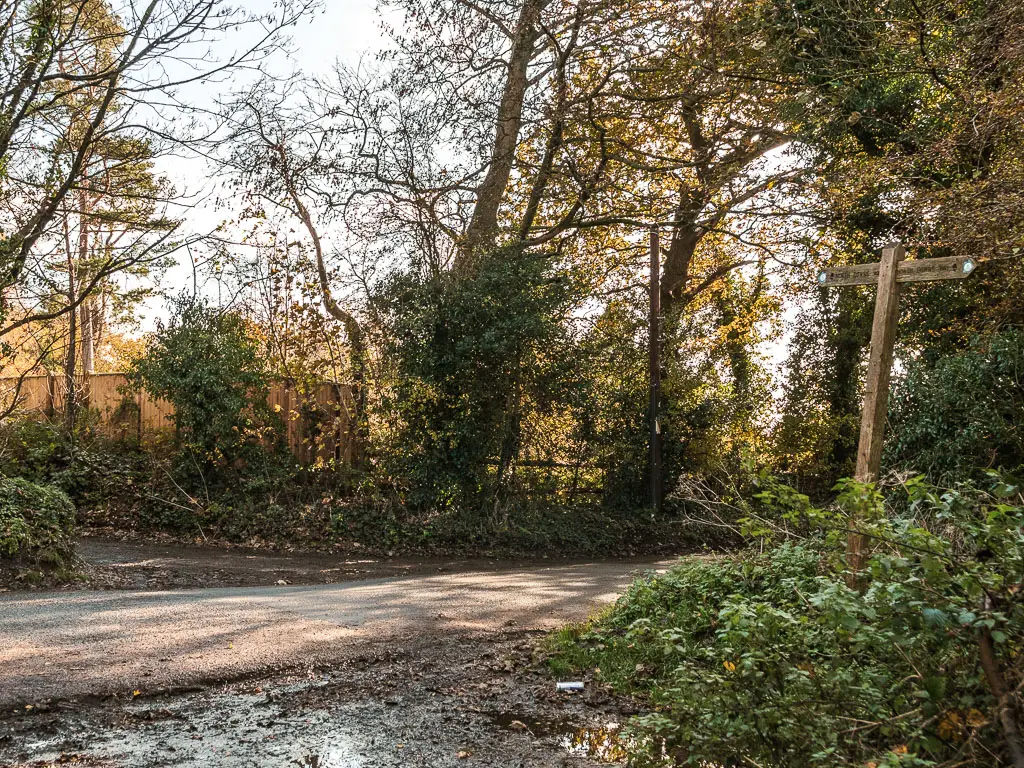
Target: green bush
column 470, row 359
column 32, row 448
column 90, row 468
column 770, row 658
column 209, row 366
column 37, row 524
column 962, row 411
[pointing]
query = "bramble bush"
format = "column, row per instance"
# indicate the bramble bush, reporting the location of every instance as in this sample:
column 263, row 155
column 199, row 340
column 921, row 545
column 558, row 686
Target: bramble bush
column 771, row 658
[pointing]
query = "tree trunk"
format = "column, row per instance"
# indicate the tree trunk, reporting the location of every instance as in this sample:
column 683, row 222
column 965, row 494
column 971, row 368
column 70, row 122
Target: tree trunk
column 1006, row 711
column 483, row 227
column 738, row 354
column 846, row 342
column 85, row 321
column 676, row 271
column 70, row 361
column 353, row 331
column 99, row 320
column 88, row 338
column 511, row 434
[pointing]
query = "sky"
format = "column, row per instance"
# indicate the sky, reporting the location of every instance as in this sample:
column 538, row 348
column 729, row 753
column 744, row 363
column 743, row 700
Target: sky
column 342, row 30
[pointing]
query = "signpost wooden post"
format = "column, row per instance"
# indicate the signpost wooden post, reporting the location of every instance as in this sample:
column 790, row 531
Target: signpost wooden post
column 888, row 274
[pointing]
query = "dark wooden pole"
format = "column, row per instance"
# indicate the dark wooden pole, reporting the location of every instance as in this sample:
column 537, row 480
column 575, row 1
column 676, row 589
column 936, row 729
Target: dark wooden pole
column 51, row 395
column 655, row 372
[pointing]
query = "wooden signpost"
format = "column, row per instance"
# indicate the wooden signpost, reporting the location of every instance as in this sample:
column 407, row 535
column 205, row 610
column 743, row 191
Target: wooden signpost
column 887, row 274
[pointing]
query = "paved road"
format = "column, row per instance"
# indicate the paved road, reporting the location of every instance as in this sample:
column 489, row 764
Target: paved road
column 168, row 565
column 69, row 644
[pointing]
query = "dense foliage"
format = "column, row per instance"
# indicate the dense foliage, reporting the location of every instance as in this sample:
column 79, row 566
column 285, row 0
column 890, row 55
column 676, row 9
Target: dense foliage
column 37, row 525
column 456, row 237
column 961, row 411
column 471, row 361
column 771, row 657
column 488, row 311
column 207, row 364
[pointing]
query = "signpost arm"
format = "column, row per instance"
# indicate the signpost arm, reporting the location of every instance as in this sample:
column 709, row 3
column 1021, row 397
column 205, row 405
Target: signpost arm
column 876, row 395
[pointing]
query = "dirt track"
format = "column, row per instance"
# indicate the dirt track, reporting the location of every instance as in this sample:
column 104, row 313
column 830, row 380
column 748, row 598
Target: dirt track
column 70, row 644
column 446, row 659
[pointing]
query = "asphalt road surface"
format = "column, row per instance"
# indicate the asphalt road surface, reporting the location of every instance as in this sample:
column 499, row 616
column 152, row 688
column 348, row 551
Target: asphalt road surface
column 64, row 645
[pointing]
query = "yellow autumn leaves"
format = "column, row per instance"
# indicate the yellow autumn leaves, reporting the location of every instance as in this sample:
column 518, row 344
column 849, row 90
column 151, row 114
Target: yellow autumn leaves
column 953, row 724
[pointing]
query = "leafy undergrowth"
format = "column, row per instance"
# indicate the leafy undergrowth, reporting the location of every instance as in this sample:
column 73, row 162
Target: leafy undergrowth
column 37, row 527
column 121, row 488
column 769, row 658
column 557, row 531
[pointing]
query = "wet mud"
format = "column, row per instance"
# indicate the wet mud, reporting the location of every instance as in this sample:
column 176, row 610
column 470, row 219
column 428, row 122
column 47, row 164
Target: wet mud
column 483, row 700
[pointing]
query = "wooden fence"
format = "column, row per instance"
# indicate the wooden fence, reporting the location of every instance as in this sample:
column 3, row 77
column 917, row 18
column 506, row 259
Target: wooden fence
column 317, row 425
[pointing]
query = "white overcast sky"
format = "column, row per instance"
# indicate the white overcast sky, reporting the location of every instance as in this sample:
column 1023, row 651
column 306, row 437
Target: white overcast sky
column 342, row 30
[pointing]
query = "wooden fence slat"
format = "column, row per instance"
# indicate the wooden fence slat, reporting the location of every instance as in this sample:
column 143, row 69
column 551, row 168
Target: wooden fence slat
column 120, row 412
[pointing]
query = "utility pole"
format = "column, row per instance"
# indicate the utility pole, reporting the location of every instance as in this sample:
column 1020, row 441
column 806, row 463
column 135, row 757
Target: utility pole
column 655, row 372
column 887, row 275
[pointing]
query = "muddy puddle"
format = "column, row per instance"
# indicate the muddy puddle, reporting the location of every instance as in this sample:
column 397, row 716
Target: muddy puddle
column 311, row 722
column 604, row 742
column 254, row 727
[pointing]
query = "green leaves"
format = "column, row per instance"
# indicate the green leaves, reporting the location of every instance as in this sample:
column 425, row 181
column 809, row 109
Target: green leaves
column 769, row 658
column 470, row 360
column 37, row 524
column 209, row 366
column 962, row 411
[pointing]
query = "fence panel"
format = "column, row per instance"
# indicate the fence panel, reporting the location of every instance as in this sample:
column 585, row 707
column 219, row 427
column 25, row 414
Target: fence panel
column 316, row 428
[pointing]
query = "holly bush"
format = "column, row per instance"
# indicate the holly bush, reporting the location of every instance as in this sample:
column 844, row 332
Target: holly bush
column 467, row 361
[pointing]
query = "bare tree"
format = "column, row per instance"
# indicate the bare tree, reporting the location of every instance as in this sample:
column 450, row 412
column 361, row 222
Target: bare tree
column 564, row 117
column 92, row 96
column 48, row 134
column 283, row 155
